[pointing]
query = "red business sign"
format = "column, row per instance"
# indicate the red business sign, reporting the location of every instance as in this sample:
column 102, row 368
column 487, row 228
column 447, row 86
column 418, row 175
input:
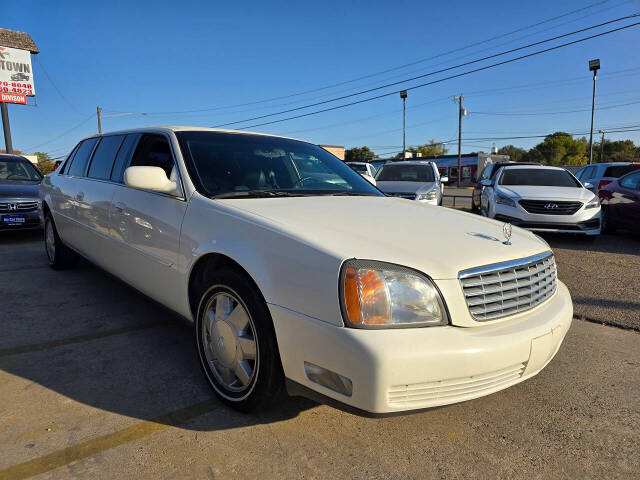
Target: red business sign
column 13, row 98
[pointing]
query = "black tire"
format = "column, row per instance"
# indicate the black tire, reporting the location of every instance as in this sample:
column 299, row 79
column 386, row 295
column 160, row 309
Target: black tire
column 60, row 257
column 266, row 384
column 605, row 221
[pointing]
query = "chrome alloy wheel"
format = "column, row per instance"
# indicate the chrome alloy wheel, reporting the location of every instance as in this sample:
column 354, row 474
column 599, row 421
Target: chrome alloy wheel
column 50, row 241
column 229, row 342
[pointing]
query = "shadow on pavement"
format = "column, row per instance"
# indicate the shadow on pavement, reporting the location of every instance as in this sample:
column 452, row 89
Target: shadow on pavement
column 621, row 243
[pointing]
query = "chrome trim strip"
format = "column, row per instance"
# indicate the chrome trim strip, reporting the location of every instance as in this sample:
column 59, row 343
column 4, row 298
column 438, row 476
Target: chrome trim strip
column 503, row 265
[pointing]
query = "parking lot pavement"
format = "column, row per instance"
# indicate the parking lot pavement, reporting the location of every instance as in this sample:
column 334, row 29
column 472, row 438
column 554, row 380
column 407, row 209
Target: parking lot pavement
column 96, row 381
column 603, row 276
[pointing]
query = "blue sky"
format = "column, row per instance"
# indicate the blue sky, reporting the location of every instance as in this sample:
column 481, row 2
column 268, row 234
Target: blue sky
column 157, row 56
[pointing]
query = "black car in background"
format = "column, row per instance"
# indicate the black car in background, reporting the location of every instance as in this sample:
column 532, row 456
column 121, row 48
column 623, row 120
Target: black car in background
column 19, row 181
column 489, row 173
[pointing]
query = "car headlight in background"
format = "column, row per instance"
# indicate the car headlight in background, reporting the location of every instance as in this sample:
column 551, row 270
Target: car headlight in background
column 382, row 295
column 593, row 203
column 504, row 200
column 430, row 196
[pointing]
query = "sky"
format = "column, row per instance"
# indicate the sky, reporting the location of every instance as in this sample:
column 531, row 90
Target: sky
column 214, row 63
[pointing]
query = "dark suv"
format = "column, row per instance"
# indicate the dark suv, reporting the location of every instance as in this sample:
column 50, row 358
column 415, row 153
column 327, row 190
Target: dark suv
column 489, row 173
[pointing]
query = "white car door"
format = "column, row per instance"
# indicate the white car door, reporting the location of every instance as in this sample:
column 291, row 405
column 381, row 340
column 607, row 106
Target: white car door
column 146, row 227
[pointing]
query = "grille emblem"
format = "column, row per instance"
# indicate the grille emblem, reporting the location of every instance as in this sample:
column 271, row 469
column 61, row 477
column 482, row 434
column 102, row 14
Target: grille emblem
column 551, row 206
column 506, row 230
column 12, row 206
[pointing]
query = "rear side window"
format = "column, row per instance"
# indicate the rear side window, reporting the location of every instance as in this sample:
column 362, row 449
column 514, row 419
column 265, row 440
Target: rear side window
column 153, row 151
column 616, row 171
column 123, row 156
column 81, row 158
column 631, row 181
column 69, row 159
column 104, row 157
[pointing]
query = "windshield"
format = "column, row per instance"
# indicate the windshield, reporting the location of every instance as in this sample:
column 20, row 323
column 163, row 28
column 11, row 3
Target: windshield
column 233, row 164
column 405, row 173
column 540, row 177
column 359, row 168
column 19, row 170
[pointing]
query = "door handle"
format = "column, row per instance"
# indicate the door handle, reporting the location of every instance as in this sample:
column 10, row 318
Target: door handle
column 120, row 207
column 80, row 196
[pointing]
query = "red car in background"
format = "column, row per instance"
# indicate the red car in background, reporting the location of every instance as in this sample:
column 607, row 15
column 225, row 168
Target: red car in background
column 620, row 202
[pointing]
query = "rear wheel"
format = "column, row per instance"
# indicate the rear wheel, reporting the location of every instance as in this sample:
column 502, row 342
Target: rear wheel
column 59, row 255
column 236, row 343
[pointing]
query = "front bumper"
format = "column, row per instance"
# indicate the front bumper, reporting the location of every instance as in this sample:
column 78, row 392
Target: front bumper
column 32, row 221
column 583, row 221
column 400, row 370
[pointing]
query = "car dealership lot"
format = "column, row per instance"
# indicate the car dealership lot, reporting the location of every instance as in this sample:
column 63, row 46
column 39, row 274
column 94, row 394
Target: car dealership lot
column 98, row 381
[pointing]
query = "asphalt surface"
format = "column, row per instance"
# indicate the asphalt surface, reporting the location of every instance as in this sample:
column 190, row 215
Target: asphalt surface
column 97, row 381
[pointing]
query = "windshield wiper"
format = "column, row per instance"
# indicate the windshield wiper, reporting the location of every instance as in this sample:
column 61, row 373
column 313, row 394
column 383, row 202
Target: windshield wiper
column 257, row 194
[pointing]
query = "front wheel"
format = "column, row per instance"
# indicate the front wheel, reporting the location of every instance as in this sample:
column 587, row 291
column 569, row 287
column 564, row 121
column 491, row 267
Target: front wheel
column 605, row 221
column 60, row 256
column 236, row 343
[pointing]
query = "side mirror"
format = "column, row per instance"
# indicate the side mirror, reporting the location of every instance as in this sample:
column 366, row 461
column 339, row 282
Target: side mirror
column 588, row 185
column 149, row 178
column 444, row 179
column 485, row 182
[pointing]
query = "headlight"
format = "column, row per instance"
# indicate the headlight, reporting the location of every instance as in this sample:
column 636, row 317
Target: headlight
column 504, row 200
column 593, row 203
column 430, row 195
column 383, row 295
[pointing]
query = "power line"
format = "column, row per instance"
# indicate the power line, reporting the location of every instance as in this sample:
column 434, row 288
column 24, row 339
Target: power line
column 46, row 74
column 457, row 75
column 66, row 132
column 443, row 70
column 517, row 114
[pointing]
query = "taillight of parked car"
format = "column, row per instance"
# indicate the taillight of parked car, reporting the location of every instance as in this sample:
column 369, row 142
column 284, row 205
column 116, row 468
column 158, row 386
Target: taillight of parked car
column 603, row 183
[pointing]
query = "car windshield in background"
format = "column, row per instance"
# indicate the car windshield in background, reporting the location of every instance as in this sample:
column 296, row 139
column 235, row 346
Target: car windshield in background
column 405, row 173
column 359, row 168
column 239, row 165
column 18, row 170
column 620, row 170
column 541, row 177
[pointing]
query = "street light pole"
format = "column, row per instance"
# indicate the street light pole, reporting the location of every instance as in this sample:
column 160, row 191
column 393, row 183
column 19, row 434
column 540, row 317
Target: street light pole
column 99, row 112
column 6, row 128
column 601, row 144
column 594, row 66
column 461, row 112
column 403, row 96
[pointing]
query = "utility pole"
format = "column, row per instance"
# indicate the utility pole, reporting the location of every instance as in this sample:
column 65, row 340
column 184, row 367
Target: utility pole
column 594, row 66
column 99, row 112
column 601, row 143
column 461, row 112
column 403, row 96
column 6, row 128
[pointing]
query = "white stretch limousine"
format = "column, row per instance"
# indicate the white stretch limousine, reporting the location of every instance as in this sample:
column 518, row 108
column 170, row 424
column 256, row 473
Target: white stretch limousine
column 261, row 242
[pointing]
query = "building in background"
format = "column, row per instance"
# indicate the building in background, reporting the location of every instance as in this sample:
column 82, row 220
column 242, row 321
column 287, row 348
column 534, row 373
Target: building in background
column 336, row 150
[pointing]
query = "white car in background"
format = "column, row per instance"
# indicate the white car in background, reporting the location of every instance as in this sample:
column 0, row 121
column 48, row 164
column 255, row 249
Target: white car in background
column 414, row 180
column 365, row 169
column 540, row 198
column 261, row 242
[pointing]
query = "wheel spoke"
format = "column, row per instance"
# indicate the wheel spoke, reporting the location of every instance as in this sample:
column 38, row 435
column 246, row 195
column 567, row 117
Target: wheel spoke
column 226, row 374
column 238, row 318
column 243, row 371
column 248, row 347
column 223, row 306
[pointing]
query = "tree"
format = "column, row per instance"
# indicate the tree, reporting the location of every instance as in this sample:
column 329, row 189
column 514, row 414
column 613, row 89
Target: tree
column 358, row 153
column 616, row 151
column 42, row 156
column 560, row 148
column 516, row 154
column 15, row 152
column 431, row 149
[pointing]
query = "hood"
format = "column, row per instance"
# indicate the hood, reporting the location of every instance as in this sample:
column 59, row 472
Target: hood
column 14, row 189
column 546, row 193
column 435, row 240
column 405, row 187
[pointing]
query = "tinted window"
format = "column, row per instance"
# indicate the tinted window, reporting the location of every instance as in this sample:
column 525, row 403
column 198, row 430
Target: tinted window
column 104, row 157
column 620, row 170
column 123, row 157
column 81, row 158
column 405, row 173
column 542, row 177
column 631, row 181
column 68, row 161
column 153, row 151
column 232, row 164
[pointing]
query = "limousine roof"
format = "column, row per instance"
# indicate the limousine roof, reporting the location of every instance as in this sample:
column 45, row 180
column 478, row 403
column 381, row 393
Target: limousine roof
column 179, row 128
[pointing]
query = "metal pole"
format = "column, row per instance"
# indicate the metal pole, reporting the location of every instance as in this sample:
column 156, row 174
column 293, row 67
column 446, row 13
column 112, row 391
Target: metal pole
column 6, row 128
column 593, row 103
column 460, row 110
column 99, row 111
column 404, row 126
column 601, row 145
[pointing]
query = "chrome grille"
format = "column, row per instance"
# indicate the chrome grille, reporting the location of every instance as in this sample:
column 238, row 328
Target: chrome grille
column 503, row 289
column 408, row 195
column 550, row 207
column 19, row 206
